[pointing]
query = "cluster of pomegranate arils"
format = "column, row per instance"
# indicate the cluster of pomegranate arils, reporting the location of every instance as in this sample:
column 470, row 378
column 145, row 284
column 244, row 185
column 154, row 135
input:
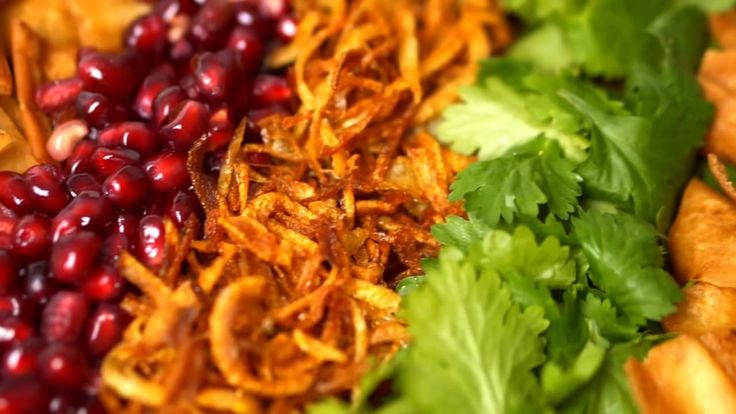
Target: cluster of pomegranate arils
column 124, row 125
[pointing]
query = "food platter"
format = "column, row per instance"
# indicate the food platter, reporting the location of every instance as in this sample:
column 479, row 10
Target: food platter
column 367, row 206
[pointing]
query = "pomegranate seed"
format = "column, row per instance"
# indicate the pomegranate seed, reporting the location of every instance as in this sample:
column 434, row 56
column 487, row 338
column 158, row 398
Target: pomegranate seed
column 89, row 210
column 126, row 187
column 65, row 137
column 65, row 403
column 168, row 9
column 181, row 51
column 45, row 183
column 64, row 316
column 286, row 29
column 32, row 237
column 93, row 406
column 188, row 122
column 73, row 255
column 97, row 109
column 39, row 285
column 273, row 8
column 147, row 35
column 64, row 366
column 107, row 161
column 133, row 135
column 108, row 74
column 13, row 330
column 249, row 46
column 165, row 102
column 151, row 241
column 269, row 89
column 104, row 284
column 23, row 396
column 18, row 306
column 55, row 95
column 167, row 171
column 8, row 270
column 7, row 231
column 179, row 206
column 78, row 183
column 188, row 84
column 212, row 23
column 22, row 358
column 258, row 159
column 105, row 328
column 214, row 73
column 79, row 160
column 126, row 224
column 16, row 193
column 149, row 90
column 113, row 246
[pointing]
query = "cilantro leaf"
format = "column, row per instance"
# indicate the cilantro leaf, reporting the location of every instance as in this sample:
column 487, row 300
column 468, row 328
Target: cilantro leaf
column 626, row 264
column 547, row 263
column 476, row 345
column 603, row 321
column 519, row 184
column 458, row 232
column 608, row 391
column 510, row 106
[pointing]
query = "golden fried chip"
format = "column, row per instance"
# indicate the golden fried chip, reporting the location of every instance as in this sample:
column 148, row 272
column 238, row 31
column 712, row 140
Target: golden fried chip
column 101, row 23
column 646, row 394
column 723, row 28
column 702, row 240
column 15, row 155
column 704, row 308
column 686, row 372
column 718, row 79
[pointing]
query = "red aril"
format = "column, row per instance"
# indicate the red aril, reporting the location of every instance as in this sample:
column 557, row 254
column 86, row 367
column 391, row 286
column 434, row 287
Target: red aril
column 98, row 110
column 273, row 8
column 7, row 231
column 126, row 224
column 212, row 23
column 89, row 210
column 214, row 74
column 16, row 193
column 114, row 246
column 64, row 317
column 134, row 135
column 23, row 396
column 151, row 241
column 127, row 187
column 73, row 255
column 105, row 328
column 8, row 270
column 104, row 284
column 147, row 35
column 79, row 160
column 269, row 89
column 32, row 237
column 12, row 330
column 39, row 285
column 22, row 358
column 63, row 365
column 106, row 161
column 187, row 123
column 78, row 183
column 147, row 93
column 19, row 306
column 181, row 51
column 249, row 47
column 56, row 95
column 179, row 206
column 112, row 75
column 45, row 182
column 167, row 171
column 168, row 9
column 286, row 29
column 165, row 103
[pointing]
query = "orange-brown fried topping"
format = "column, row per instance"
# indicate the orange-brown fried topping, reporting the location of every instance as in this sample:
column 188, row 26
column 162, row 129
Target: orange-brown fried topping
column 288, row 296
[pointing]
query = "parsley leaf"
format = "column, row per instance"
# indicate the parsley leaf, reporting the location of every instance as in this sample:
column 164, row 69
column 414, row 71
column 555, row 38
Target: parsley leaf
column 518, row 184
column 476, row 345
column 626, row 264
column 458, row 232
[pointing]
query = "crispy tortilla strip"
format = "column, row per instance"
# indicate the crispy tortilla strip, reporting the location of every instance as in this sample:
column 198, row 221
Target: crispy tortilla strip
column 705, row 308
column 723, row 28
column 718, row 79
column 101, row 23
column 702, row 240
column 686, row 372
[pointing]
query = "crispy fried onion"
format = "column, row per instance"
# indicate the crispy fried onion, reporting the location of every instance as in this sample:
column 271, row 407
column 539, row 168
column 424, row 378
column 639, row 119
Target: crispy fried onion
column 288, row 294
